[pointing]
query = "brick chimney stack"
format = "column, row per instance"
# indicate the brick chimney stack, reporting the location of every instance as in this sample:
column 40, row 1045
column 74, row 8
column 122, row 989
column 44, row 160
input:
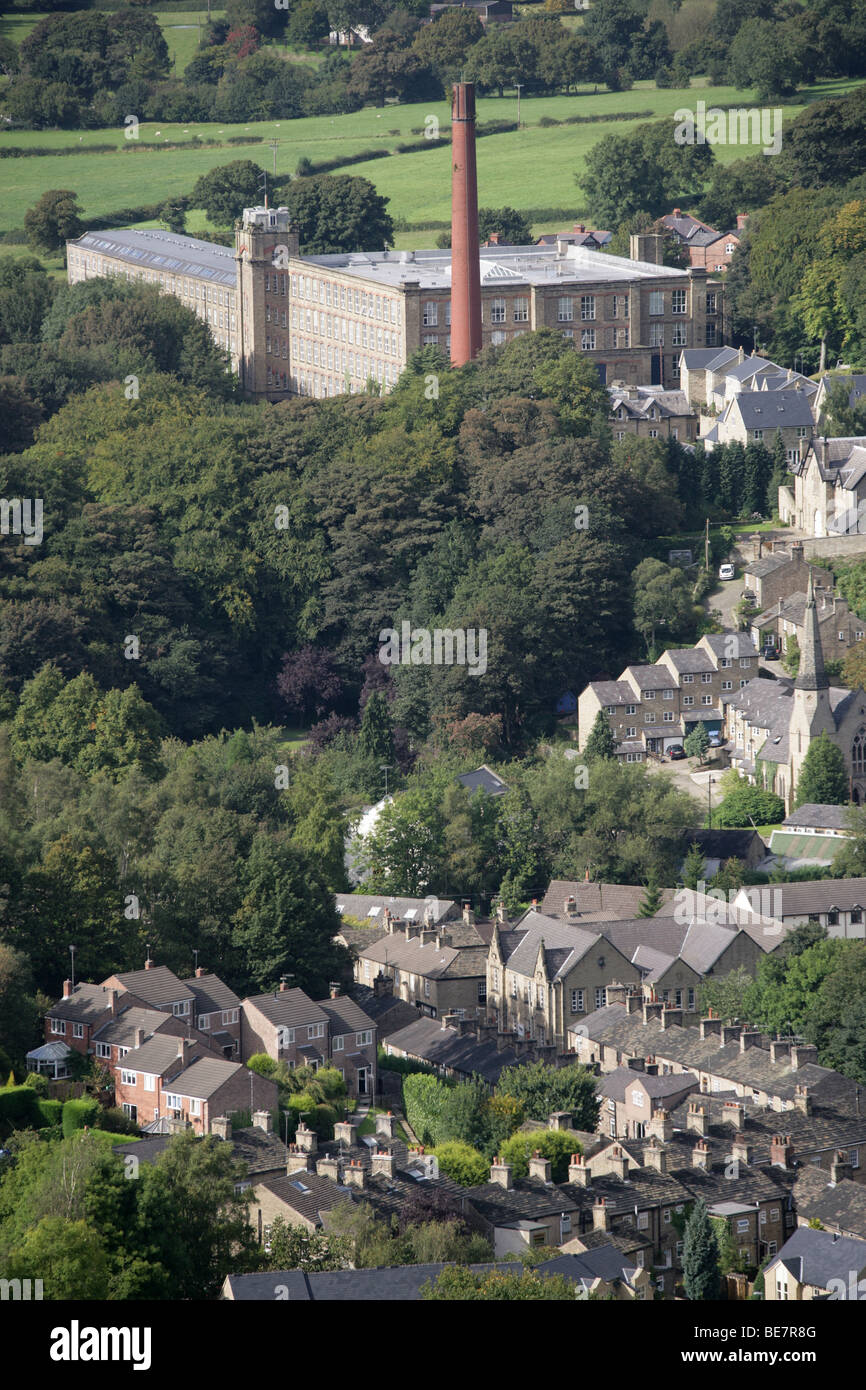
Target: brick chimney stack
column 578, row 1173
column 465, row 258
column 67, row 988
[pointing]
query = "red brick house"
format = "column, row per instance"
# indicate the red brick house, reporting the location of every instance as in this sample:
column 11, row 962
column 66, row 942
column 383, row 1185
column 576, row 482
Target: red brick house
column 291, row 1027
column 174, row 1079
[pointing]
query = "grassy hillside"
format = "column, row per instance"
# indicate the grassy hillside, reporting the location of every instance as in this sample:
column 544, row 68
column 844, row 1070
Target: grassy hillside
column 530, row 168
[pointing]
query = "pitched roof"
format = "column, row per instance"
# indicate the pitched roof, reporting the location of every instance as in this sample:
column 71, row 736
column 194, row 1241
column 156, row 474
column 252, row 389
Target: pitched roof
column 614, row 1084
column 485, row 779
column 156, row 1055
column 601, row 902
column 371, row 906
column 120, row 1031
column 85, row 1004
column 156, row 985
column 816, row 1257
column 446, row 1047
column 388, row 1012
column 306, row 1193
column 205, row 1075
column 212, row 994
column 819, row 817
column 346, row 1016
column 564, row 944
column 288, row 1008
column 427, row 959
column 401, row 1284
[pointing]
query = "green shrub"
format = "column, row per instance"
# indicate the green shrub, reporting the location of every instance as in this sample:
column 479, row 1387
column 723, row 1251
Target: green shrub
column 424, row 1099
column 79, row 1113
column 262, row 1064
column 116, row 1121
column 462, row 1163
column 19, row 1109
column 556, row 1144
column 51, row 1111
column 38, row 1082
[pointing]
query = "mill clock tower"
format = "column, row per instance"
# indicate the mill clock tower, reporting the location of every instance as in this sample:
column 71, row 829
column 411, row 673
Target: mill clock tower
column 265, row 239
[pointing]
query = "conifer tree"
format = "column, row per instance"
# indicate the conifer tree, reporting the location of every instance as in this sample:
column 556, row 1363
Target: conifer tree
column 823, row 779
column 700, row 1256
column 601, row 742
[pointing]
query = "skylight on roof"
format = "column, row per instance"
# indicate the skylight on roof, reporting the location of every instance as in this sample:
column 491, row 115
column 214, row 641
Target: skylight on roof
column 374, row 912
column 300, row 1186
column 411, row 914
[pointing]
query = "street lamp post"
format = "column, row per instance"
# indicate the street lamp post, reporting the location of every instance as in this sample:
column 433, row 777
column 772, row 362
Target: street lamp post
column 519, row 86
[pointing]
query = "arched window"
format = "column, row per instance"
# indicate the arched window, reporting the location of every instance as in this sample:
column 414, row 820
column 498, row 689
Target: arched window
column 858, row 753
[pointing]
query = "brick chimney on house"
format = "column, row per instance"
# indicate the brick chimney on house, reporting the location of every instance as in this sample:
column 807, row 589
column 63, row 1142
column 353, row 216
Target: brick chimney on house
column 696, row 1119
column 600, row 1215
column 656, row 1155
column 385, row 1125
column 617, row 1163
column 781, row 1151
column 710, row 1026
column 184, row 1048
column 148, row 964
column 263, row 1119
column 501, row 1172
column 750, row 1037
column 841, row 1166
column 701, row 1155
column 283, row 987
column 296, row 1161
column 571, row 906
column 578, row 1173
column 803, row 1100
column 733, row 1113
column 540, row 1168
column 138, row 1037
column 560, row 1119
column 383, row 1163
column 742, row 219
column 671, row 1017
column 345, row 1132
column 466, row 337
column 334, row 989
column 199, row 971
column 779, row 1050
column 803, row 1055
column 306, row 1139
column 741, row 1150
column 661, row 1126
column 328, row 1167
column 354, row 1174
column 67, row 988
column 730, row 1033
column 221, row 1127
column 383, row 985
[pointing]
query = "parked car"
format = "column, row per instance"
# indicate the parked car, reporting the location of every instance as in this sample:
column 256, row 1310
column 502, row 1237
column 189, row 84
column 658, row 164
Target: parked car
column 769, row 651
column 726, row 571
column 676, row 752
column 716, row 740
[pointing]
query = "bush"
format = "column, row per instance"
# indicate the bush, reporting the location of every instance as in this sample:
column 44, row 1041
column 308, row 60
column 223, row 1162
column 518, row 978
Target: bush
column 38, row 1082
column 462, row 1163
column 79, row 1113
column 262, row 1064
column 19, row 1109
column 555, row 1144
column 51, row 1111
column 424, row 1099
column 749, row 805
column 115, row 1121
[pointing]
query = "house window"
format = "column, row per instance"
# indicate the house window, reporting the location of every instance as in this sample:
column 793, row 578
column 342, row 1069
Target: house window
column 649, row 719
column 680, row 335
column 757, row 434
column 774, row 1213
column 195, row 1106
column 706, row 699
column 668, row 716
column 482, row 991
column 565, row 309
column 727, row 685
column 181, row 1007
column 649, row 694
column 631, row 731
column 577, row 1001
column 637, row 1098
column 642, row 1220
column 230, row 1016
column 656, row 302
column 172, row 1102
column 667, row 694
column 285, row 1037
column 58, row 1025
column 316, row 1030
column 781, row 1288
column 742, row 1226
column 131, row 1111
column 336, row 1044
column 364, row 1039
column 678, row 302
column 497, row 311
column 203, row 1022
column 148, row 1081
column 745, row 661
column 679, row 1249
column 630, row 709
column 128, row 1078
column 431, row 314
column 772, row 1247
column 600, row 996
column 103, row 1050
column 521, row 311
column 688, row 699
column 688, row 679
column 587, row 306
column 78, row 1030
column 587, row 339
column 657, row 335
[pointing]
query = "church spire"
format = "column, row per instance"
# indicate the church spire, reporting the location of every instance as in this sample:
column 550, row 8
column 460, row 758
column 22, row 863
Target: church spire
column 811, row 674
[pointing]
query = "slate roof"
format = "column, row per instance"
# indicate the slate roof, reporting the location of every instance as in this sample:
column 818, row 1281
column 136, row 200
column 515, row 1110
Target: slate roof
column 387, row 1012
column 85, row 1004
column 529, row 1199
column 427, row 1039
column 288, row 1008
column 820, row 895
column 485, row 779
column 306, row 1193
column 259, row 1150
column 564, row 944
column 724, row 844
column 427, row 959
column 614, row 1084
column 651, row 677
column 818, row 817
column 840, row 1205
column 816, row 1257
column 211, row 994
column 164, row 251
column 157, row 986
column 689, row 659
column 666, row 402
column 613, row 692
column 615, row 1027
column 400, row 1284
column 346, row 1016
column 735, row 644
column 783, row 410
column 404, row 909
column 605, row 1262
column 768, row 564
column 707, row 359
column 602, row 902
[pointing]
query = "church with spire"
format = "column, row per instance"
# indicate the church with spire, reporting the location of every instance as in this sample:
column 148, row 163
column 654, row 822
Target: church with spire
column 772, row 724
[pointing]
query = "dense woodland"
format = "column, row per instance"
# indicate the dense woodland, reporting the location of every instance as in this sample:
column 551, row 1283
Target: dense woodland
column 91, row 67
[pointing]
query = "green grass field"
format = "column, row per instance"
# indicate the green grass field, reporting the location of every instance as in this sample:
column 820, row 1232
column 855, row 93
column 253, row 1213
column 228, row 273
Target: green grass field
column 530, row 168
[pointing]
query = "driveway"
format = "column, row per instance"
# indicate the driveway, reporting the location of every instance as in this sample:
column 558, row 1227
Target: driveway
column 689, row 776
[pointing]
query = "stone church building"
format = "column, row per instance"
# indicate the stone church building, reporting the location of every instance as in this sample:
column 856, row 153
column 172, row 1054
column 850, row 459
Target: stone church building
column 771, row 724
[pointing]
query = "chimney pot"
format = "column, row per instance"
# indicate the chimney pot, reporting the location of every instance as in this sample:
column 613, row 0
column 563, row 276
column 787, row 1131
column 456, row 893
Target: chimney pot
column 501, row 1173
column 148, row 964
